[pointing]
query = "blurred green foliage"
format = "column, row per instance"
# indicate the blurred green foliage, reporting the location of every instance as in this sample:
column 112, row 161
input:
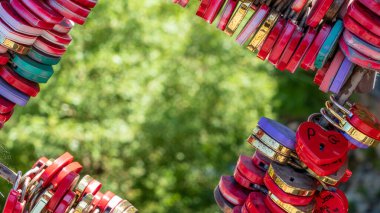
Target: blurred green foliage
column 154, row 103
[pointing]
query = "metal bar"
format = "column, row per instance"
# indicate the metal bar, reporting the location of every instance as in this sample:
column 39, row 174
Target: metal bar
column 351, row 85
column 7, row 174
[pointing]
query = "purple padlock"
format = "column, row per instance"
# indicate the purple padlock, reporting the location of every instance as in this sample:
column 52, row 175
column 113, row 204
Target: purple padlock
column 12, row 94
column 341, row 77
column 279, row 132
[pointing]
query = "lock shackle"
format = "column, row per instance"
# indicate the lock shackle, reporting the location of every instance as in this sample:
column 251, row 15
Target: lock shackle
column 331, row 121
column 342, row 108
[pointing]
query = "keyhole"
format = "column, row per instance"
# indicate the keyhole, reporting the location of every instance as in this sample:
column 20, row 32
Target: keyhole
column 292, row 179
column 321, row 146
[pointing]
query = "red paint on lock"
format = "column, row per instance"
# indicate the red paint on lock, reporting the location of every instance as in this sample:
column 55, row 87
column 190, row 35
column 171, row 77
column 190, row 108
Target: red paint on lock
column 323, row 146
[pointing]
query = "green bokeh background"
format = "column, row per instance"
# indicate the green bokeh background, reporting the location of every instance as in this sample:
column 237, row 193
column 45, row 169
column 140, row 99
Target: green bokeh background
column 156, row 104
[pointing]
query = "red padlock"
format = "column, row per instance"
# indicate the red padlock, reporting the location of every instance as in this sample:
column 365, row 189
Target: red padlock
column 323, row 146
column 285, row 197
column 311, row 54
column 271, row 39
column 25, row 86
column 329, row 201
column 55, row 168
column 249, row 170
column 255, row 203
column 230, row 190
column 67, row 184
column 227, row 13
column 281, row 42
column 299, row 54
column 223, row 204
column 365, row 17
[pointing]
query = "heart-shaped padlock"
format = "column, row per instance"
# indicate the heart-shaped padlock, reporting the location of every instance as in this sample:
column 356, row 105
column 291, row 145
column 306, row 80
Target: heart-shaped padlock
column 323, row 146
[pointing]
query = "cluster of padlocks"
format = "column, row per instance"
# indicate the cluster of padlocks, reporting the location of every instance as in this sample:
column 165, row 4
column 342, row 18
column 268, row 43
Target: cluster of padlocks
column 300, row 171
column 34, row 35
column 54, row 185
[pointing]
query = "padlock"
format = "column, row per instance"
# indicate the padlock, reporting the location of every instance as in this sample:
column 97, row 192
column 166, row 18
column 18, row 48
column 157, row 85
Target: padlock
column 32, row 70
column 111, row 205
column 268, row 152
column 278, row 132
column 13, row 196
column 291, row 208
column 228, row 11
column 263, row 31
column 292, row 181
column 260, row 161
column 318, row 11
column 104, row 201
column 364, row 17
column 271, row 39
column 43, row 11
column 241, row 179
column 75, row 7
column 332, row 71
column 361, row 46
column 333, row 179
column 272, row 206
column 13, row 19
column 321, row 73
column 14, row 36
column 329, row 45
column 43, row 58
column 358, row 30
column 29, row 16
column 25, row 86
column 66, row 203
column 232, row 191
column 249, row 170
column 358, row 58
column 12, row 94
column 213, row 10
column 342, row 76
column 255, row 203
column 253, row 24
column 55, row 168
column 6, row 106
column 286, row 197
column 92, row 188
column 374, row 6
column 49, row 48
column 291, row 46
column 301, row 50
column 359, row 116
column 311, row 54
column 288, row 41
column 85, row 204
column 323, row 146
column 331, row 201
column 237, row 17
column 65, row 185
column 270, row 142
column 56, row 37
